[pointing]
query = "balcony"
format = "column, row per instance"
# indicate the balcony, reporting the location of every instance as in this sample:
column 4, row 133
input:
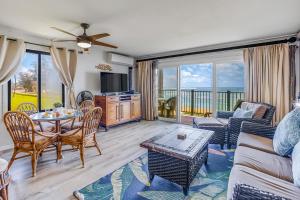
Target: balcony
column 197, row 102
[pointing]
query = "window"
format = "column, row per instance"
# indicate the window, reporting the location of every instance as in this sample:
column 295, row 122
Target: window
column 230, row 84
column 37, row 82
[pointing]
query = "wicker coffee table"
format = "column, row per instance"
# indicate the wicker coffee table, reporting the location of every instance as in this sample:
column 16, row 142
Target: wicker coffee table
column 178, row 160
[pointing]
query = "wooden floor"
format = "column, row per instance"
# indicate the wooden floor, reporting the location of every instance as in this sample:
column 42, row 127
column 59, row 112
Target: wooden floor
column 58, row 180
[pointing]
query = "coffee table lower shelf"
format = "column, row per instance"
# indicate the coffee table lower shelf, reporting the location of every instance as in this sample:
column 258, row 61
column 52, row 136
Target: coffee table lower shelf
column 181, row 172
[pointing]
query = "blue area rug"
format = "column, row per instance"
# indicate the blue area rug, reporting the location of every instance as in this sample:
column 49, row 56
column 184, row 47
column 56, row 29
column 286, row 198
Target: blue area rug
column 130, row 182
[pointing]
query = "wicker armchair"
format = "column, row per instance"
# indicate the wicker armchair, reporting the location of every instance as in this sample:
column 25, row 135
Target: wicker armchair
column 85, row 107
column 170, row 107
column 26, row 139
column 85, row 136
column 234, row 124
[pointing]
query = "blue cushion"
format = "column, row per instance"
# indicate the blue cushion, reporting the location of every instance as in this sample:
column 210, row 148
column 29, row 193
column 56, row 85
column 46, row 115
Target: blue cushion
column 296, row 164
column 240, row 113
column 287, row 133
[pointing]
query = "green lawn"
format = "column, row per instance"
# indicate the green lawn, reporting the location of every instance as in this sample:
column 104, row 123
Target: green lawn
column 18, row 98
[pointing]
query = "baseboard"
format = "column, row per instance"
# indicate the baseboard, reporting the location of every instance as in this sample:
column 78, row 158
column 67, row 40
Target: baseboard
column 6, row 147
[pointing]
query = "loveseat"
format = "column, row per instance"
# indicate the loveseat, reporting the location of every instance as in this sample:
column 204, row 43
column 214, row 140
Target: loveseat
column 258, row 171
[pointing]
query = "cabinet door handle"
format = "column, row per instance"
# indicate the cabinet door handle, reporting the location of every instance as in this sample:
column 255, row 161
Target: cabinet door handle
column 132, row 110
column 116, row 112
column 121, row 111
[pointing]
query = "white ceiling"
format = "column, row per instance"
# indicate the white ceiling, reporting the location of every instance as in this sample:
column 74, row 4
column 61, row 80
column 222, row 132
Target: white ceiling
column 142, row 27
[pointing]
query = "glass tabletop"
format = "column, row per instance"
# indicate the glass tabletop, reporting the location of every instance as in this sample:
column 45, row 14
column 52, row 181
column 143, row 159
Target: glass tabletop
column 61, row 114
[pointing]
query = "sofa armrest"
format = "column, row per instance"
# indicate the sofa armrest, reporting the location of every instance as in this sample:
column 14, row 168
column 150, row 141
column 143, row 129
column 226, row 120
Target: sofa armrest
column 224, row 114
column 243, row 191
column 258, row 129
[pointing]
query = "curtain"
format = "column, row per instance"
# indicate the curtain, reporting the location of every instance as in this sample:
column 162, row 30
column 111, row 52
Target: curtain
column 147, row 87
column 268, row 77
column 11, row 53
column 292, row 60
column 66, row 63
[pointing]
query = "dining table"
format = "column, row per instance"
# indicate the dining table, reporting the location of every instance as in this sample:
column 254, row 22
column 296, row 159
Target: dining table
column 56, row 117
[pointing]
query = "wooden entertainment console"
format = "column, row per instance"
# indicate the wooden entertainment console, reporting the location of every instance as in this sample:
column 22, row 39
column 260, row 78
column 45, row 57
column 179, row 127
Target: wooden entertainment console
column 119, row 109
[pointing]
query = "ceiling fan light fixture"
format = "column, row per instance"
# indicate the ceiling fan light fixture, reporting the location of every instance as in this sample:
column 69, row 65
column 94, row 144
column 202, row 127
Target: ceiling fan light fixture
column 85, row 44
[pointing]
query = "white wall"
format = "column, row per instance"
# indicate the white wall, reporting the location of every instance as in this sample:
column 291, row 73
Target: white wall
column 87, row 76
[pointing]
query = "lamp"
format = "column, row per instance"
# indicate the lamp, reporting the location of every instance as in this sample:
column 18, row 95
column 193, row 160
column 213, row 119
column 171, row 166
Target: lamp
column 85, row 44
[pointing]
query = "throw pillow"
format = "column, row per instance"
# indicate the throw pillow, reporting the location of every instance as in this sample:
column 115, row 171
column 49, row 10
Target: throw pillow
column 296, row 164
column 240, row 113
column 287, row 133
column 258, row 109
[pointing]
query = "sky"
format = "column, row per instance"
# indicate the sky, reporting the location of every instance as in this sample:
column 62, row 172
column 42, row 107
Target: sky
column 200, row 75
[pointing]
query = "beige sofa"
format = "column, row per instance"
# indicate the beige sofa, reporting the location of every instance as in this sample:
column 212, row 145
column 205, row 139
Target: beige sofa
column 257, row 165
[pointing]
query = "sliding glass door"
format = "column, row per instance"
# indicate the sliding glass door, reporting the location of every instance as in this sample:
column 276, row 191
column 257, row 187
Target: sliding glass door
column 168, row 93
column 199, row 87
column 196, row 91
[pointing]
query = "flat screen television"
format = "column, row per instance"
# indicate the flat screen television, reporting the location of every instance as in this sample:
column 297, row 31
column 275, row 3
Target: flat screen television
column 113, row 82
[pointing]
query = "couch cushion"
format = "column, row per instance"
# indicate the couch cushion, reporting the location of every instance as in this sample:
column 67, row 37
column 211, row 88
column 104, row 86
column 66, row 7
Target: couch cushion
column 274, row 165
column 258, row 109
column 245, row 175
column 287, row 133
column 256, row 142
column 296, row 164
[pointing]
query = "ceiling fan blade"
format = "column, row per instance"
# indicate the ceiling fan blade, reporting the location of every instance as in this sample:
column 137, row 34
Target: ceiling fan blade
column 64, row 40
column 98, row 36
column 66, row 32
column 103, row 44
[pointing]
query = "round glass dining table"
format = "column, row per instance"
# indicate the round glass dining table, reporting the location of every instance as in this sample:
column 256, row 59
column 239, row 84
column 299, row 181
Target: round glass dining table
column 57, row 117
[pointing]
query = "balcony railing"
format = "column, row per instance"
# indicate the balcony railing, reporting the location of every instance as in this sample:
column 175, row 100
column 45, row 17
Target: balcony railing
column 197, row 102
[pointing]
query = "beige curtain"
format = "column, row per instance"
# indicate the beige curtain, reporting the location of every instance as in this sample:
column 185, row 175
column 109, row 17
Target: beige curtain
column 66, row 63
column 147, row 86
column 11, row 53
column 267, row 77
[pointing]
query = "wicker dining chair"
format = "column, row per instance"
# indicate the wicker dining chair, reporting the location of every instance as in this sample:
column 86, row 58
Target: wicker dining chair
column 26, row 139
column 30, row 109
column 85, row 107
column 85, row 136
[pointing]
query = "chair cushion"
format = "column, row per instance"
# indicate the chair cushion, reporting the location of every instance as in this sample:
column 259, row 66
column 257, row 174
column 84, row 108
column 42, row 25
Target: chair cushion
column 244, row 175
column 287, row 133
column 240, row 113
column 256, row 142
column 207, row 121
column 296, row 164
column 40, row 141
column 68, row 125
column 274, row 165
column 258, row 109
column 71, row 137
column 223, row 121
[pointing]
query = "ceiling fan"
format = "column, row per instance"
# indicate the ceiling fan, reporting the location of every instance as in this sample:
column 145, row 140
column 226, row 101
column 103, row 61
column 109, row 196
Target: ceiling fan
column 85, row 41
